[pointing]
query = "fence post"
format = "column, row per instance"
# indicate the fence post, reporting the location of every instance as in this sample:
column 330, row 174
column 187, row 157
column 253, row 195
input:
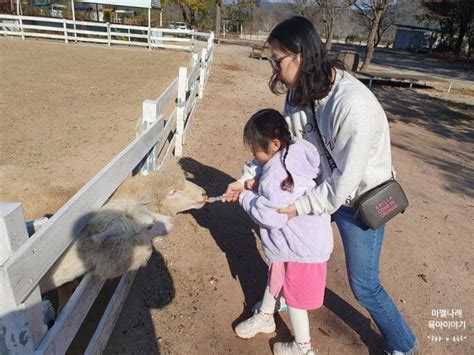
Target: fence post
column 149, row 38
column 194, row 60
column 202, row 73
column 150, row 116
column 210, row 50
column 21, row 27
column 180, row 111
column 65, row 31
column 109, row 36
column 21, row 326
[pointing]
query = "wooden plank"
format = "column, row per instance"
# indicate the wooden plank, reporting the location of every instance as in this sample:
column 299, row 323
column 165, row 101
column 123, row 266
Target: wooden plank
column 8, row 17
column 131, row 35
column 171, row 39
column 163, row 100
column 189, row 120
column 169, row 150
column 194, row 76
column 202, row 34
column 170, row 93
column 109, row 318
column 166, row 131
column 22, row 325
column 42, row 19
column 127, row 43
column 43, row 35
column 174, row 31
column 169, row 46
column 30, row 263
column 71, row 317
column 85, row 23
column 43, row 28
column 171, row 32
column 127, row 27
column 11, row 33
column 94, row 40
column 87, row 32
column 192, row 97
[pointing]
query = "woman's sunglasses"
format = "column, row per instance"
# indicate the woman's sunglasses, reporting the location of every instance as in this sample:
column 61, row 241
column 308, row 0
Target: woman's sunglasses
column 275, row 63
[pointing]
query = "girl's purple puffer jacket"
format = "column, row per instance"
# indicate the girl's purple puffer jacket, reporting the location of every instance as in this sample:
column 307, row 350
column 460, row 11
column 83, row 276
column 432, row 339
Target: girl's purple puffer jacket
column 304, row 239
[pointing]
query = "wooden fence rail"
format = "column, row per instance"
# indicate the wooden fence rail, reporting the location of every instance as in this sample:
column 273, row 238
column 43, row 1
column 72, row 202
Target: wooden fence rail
column 24, row 261
column 98, row 32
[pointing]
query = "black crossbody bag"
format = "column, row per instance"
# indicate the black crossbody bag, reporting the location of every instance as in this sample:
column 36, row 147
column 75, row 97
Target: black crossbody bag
column 378, row 205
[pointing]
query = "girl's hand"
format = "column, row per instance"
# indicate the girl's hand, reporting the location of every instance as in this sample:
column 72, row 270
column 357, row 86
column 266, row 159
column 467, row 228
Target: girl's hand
column 233, row 192
column 290, row 211
column 251, row 184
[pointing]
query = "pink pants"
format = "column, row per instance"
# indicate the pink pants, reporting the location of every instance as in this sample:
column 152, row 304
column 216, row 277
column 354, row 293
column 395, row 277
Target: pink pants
column 301, row 284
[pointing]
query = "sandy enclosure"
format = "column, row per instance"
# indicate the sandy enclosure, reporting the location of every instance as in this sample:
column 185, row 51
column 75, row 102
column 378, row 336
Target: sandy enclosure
column 69, row 109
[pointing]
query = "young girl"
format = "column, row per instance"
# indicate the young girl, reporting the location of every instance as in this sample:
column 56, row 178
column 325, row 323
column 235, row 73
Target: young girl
column 296, row 248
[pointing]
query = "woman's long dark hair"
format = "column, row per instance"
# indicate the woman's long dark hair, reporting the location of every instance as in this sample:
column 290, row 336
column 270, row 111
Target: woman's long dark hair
column 297, row 35
column 261, row 129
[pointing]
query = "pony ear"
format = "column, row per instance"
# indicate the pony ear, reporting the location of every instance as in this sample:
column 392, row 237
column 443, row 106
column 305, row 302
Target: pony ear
column 111, row 232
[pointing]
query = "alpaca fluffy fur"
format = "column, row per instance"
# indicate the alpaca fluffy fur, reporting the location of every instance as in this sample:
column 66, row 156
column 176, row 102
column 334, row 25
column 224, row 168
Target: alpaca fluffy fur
column 118, row 238
column 153, row 188
column 119, row 235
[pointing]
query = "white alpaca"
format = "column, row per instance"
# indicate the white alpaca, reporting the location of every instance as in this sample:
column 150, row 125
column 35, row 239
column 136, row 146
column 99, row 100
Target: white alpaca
column 120, row 234
column 118, row 238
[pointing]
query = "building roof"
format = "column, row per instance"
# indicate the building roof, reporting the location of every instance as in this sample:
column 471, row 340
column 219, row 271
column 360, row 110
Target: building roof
column 147, row 4
column 418, row 28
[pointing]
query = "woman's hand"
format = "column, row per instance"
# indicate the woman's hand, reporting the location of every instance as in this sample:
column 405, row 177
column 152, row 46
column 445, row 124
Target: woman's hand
column 233, row 192
column 290, row 211
column 251, row 184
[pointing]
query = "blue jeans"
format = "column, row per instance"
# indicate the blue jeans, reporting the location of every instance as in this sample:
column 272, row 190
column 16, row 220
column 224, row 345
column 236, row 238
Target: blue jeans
column 362, row 249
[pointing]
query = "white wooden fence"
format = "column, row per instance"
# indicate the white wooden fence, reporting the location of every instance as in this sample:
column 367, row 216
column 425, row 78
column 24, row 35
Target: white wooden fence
column 99, row 32
column 24, row 261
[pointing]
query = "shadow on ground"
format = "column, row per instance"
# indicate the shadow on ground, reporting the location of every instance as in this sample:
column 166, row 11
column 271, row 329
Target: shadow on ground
column 447, row 119
column 423, row 63
column 135, row 320
column 235, row 235
column 232, row 231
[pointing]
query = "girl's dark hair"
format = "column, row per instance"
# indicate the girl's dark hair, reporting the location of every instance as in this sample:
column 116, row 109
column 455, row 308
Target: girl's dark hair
column 261, row 129
column 297, row 35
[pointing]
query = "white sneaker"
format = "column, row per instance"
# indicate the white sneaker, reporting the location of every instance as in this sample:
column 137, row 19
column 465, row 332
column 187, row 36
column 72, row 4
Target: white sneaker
column 291, row 348
column 258, row 323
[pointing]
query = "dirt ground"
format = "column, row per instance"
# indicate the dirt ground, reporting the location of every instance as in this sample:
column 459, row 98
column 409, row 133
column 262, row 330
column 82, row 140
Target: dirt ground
column 69, row 109
column 210, row 270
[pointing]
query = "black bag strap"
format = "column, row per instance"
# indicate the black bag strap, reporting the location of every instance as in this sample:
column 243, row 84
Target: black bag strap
column 332, row 163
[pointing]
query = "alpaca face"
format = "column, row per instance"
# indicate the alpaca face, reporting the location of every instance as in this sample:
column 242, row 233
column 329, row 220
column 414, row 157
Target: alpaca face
column 133, row 220
column 190, row 197
column 154, row 225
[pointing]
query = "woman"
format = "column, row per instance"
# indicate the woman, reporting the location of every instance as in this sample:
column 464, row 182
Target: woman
column 342, row 118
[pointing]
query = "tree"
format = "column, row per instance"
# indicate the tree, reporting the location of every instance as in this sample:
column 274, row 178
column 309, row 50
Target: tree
column 217, row 29
column 189, row 9
column 374, row 11
column 303, row 7
column 395, row 13
column 330, row 10
column 455, row 19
